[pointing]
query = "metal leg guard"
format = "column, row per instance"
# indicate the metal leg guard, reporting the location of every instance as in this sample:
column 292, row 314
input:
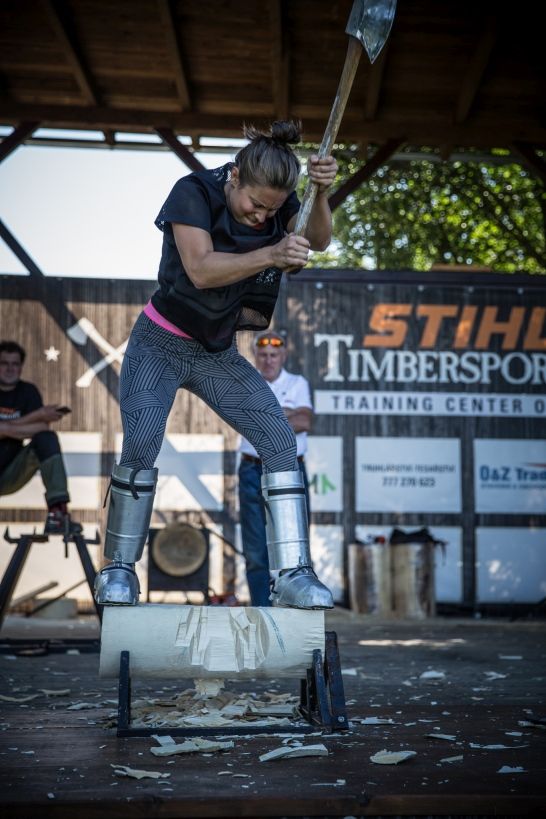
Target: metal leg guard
column 287, row 532
column 129, row 514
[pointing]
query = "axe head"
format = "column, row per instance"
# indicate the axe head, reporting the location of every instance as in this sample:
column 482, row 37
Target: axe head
column 370, row 22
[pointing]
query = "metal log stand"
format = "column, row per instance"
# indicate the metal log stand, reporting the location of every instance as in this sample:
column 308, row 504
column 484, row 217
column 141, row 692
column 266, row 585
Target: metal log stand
column 15, row 566
column 322, row 701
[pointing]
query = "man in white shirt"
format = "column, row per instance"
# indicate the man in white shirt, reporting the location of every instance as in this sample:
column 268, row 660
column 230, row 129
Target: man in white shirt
column 294, row 396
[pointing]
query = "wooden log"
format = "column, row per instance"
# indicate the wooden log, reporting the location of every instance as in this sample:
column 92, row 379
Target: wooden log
column 413, row 580
column 208, row 642
column 369, row 574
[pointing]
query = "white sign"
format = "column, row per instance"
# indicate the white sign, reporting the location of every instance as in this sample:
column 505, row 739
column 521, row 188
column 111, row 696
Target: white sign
column 456, row 404
column 511, row 565
column 327, row 556
column 326, row 553
column 345, row 362
column 510, row 476
column 408, row 475
column 191, row 472
column 323, row 463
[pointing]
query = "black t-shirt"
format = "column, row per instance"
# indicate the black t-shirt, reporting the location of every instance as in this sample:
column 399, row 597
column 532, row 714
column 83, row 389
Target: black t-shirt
column 16, row 403
column 213, row 315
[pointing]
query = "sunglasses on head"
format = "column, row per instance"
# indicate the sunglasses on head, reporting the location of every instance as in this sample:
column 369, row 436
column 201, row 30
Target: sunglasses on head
column 264, row 341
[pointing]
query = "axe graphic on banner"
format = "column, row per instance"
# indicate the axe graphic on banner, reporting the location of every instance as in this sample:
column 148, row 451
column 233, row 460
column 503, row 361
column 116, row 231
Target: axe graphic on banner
column 83, row 330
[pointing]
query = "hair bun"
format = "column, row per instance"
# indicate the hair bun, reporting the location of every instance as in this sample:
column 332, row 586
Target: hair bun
column 287, row 132
column 268, row 159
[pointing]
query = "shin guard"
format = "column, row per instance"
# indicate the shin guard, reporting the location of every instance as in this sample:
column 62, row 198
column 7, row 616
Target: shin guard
column 287, row 534
column 129, row 515
column 131, row 501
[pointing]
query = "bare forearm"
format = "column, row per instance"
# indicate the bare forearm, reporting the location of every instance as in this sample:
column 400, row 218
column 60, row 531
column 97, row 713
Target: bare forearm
column 319, row 229
column 20, row 431
column 33, row 417
column 208, row 268
column 300, row 419
column 217, row 269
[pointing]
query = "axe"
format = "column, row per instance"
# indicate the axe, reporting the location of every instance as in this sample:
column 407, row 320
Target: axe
column 370, row 22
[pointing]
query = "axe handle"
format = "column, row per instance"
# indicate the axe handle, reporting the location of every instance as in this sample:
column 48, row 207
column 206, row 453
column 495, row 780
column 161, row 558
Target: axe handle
column 354, row 50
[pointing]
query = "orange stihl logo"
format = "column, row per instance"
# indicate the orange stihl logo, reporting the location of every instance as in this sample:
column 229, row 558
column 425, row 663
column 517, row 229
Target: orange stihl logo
column 458, row 327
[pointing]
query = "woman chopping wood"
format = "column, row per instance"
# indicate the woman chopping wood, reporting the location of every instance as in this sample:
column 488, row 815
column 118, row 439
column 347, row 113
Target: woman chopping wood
column 227, row 241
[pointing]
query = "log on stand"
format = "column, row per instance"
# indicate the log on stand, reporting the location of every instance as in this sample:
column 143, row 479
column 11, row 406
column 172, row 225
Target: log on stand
column 212, row 642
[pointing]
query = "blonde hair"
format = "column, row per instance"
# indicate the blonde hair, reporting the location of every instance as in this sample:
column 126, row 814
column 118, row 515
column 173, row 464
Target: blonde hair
column 268, row 160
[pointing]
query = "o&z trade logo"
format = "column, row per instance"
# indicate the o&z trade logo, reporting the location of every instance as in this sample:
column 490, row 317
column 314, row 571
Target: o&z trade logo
column 526, row 475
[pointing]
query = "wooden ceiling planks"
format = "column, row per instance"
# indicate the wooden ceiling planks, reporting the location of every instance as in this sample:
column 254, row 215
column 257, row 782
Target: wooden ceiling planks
column 454, row 74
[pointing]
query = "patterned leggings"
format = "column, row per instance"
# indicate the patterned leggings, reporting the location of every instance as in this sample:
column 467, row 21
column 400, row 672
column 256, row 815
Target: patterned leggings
column 158, row 363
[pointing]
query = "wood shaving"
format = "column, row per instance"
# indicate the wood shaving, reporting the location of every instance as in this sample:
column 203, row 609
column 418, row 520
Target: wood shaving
column 286, row 752
column 191, row 746
column 225, row 709
column 373, row 721
column 385, row 757
column 50, row 692
column 208, row 688
column 83, row 706
column 496, row 747
column 136, row 773
column 435, row 735
column 507, row 769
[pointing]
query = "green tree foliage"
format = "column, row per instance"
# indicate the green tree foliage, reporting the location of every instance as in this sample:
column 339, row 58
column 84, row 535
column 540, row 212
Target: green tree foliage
column 411, row 215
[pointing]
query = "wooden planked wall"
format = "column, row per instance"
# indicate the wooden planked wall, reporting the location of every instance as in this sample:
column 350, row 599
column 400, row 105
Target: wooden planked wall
column 39, row 312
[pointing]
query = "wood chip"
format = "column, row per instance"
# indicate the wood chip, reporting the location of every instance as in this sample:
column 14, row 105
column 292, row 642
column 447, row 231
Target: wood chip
column 208, row 688
column 437, row 735
column 496, row 747
column 136, row 773
column 391, row 757
column 373, row 721
column 286, row 752
column 191, row 746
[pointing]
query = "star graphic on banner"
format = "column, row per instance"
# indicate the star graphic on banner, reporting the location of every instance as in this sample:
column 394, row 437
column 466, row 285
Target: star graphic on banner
column 52, row 354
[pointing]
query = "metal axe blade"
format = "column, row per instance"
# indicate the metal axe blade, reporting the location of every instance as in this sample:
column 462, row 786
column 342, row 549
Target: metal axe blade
column 370, row 22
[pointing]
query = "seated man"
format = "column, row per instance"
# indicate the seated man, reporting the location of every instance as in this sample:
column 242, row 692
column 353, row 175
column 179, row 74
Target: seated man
column 24, row 416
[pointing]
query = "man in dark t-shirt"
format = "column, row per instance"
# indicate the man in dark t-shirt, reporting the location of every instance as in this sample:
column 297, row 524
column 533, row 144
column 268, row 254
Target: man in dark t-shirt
column 23, row 416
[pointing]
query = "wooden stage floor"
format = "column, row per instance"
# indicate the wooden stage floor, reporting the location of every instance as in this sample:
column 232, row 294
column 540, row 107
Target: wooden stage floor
column 59, row 763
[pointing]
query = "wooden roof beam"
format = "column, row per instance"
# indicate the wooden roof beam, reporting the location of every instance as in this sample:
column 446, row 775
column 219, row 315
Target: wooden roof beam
column 475, row 71
column 375, row 82
column 417, row 130
column 280, row 60
column 16, row 138
column 184, row 154
column 530, row 158
column 19, row 251
column 175, row 53
column 72, row 53
column 473, row 76
column 381, row 157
